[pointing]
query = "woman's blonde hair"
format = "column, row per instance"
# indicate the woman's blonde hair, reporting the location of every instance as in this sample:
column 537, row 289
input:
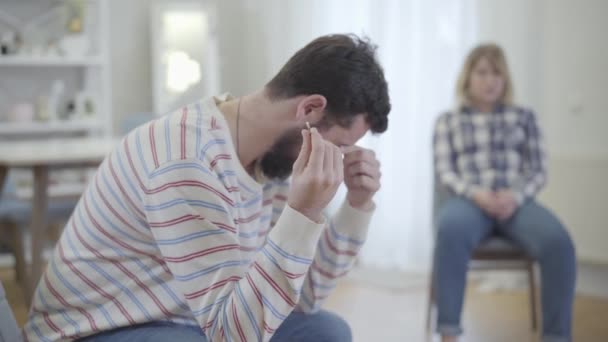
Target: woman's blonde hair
column 495, row 55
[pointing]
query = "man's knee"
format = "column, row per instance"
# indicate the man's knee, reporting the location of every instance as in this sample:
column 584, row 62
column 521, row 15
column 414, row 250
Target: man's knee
column 332, row 328
column 322, row 326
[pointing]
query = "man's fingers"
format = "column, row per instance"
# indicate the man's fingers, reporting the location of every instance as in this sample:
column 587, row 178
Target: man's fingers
column 363, row 167
column 338, row 164
column 302, row 160
column 365, row 182
column 318, row 150
column 328, row 161
column 348, row 149
column 360, row 155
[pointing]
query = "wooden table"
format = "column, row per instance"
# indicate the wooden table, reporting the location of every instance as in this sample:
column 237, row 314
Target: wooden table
column 40, row 156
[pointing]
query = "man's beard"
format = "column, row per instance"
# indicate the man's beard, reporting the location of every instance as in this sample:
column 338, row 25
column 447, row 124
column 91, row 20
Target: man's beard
column 277, row 164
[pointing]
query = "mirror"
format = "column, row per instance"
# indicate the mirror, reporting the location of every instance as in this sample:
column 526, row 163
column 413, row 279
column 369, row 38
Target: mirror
column 184, row 53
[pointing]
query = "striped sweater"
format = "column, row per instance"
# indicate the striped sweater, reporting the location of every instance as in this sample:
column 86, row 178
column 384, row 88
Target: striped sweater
column 172, row 228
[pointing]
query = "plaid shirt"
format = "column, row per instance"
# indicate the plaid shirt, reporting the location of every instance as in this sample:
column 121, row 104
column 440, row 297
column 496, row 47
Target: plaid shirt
column 502, row 150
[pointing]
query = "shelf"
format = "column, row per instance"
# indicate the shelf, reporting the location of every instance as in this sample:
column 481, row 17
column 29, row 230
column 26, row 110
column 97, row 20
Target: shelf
column 50, row 61
column 32, row 70
column 54, row 191
column 22, row 128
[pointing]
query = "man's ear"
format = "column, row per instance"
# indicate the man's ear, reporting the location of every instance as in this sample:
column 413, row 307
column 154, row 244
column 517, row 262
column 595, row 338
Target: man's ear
column 311, row 108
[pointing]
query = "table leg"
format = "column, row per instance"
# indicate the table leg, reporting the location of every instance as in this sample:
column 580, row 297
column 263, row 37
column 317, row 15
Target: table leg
column 3, row 174
column 39, row 223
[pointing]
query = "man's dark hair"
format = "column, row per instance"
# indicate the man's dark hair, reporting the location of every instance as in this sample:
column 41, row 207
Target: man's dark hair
column 344, row 69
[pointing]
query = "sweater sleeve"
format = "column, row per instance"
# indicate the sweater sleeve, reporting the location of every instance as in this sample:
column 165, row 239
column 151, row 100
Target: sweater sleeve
column 336, row 254
column 336, row 249
column 191, row 216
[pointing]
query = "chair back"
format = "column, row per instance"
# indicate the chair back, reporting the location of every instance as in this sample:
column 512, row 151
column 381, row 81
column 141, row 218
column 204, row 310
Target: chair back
column 9, row 189
column 9, row 330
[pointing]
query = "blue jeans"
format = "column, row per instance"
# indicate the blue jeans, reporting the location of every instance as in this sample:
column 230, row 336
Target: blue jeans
column 322, row 326
column 462, row 225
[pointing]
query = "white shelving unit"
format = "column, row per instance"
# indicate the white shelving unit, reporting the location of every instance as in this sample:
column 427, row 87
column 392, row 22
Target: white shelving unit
column 25, row 77
column 30, row 76
column 16, row 129
column 94, row 61
column 55, row 190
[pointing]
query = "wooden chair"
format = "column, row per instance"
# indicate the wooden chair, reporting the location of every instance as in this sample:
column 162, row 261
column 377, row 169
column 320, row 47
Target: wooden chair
column 15, row 215
column 495, row 253
column 9, row 330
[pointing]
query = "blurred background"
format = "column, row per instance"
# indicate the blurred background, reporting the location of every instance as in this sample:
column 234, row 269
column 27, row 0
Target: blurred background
column 94, row 69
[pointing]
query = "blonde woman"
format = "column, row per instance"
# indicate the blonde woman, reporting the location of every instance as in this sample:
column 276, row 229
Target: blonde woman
column 489, row 155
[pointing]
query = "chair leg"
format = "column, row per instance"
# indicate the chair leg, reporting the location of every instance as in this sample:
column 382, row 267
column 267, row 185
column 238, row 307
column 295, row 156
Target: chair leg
column 18, row 253
column 532, row 296
column 431, row 302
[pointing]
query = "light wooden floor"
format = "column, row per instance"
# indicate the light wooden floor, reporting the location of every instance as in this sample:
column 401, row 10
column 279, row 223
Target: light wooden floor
column 378, row 314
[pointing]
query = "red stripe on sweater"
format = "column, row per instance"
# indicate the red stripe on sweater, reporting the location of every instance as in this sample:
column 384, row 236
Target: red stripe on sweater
column 173, row 222
column 112, row 210
column 128, row 273
column 274, row 285
column 334, row 248
column 326, row 274
column 97, row 289
column 218, row 158
column 255, row 290
column 202, row 292
column 248, row 219
column 153, row 144
column 65, row 303
column 114, row 239
column 238, row 323
column 50, row 323
column 192, row 183
column 202, row 253
column 123, row 191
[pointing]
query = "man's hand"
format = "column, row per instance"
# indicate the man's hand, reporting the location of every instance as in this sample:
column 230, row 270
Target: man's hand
column 507, row 204
column 488, row 202
column 317, row 174
column 362, row 176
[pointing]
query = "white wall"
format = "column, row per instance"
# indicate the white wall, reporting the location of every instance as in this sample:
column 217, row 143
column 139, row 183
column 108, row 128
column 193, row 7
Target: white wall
column 242, row 58
column 130, row 58
column 556, row 50
column 575, row 102
column 242, row 46
column 558, row 53
column 515, row 25
column 575, row 77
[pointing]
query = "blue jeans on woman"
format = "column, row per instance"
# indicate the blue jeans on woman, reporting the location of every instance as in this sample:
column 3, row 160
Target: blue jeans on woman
column 322, row 326
column 462, row 225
